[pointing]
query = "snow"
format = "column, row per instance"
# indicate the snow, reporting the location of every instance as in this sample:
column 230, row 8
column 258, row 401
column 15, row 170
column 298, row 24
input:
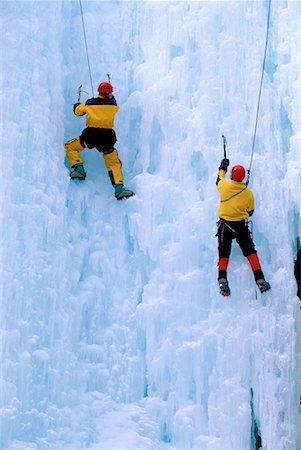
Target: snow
column 113, row 333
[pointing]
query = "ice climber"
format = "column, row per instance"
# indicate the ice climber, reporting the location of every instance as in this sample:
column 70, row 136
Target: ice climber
column 99, row 133
column 236, row 205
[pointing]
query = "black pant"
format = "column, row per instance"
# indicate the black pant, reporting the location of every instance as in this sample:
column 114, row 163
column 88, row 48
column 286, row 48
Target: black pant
column 103, row 139
column 228, row 231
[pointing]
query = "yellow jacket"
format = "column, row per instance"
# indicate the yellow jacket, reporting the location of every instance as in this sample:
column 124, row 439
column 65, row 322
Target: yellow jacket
column 100, row 111
column 238, row 207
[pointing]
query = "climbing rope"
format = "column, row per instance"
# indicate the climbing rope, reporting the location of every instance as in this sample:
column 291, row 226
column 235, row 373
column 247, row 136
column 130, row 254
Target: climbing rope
column 85, row 39
column 260, row 89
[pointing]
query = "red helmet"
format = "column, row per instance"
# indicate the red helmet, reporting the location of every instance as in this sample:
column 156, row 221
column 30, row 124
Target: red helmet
column 105, row 88
column 238, row 173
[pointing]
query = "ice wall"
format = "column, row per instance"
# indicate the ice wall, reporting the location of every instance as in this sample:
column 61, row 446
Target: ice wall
column 33, row 254
column 114, row 335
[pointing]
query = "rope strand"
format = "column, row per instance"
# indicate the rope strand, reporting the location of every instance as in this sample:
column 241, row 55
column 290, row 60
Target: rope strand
column 260, row 89
column 87, row 52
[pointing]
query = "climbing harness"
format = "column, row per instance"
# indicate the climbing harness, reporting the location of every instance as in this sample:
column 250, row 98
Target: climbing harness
column 86, row 45
column 222, row 222
column 260, row 90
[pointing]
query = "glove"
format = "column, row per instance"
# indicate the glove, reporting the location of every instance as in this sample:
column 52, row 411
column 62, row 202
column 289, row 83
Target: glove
column 75, row 106
column 224, row 164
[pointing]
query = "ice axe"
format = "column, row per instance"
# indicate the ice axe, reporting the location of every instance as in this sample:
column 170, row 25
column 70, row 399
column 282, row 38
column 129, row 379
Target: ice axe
column 225, row 146
column 79, row 91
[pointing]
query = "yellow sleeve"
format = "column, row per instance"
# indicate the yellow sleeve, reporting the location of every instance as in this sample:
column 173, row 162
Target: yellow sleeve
column 80, row 110
column 220, row 176
column 251, row 205
column 221, row 173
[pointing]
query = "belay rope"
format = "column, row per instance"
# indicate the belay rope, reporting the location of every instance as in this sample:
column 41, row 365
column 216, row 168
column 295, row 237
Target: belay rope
column 258, row 104
column 86, row 45
column 260, row 89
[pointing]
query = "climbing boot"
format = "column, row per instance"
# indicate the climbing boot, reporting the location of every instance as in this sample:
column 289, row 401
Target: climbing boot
column 263, row 285
column 122, row 192
column 78, row 172
column 224, row 287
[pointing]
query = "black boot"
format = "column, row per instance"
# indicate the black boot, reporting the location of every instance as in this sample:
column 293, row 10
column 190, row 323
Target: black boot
column 224, row 287
column 263, row 285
